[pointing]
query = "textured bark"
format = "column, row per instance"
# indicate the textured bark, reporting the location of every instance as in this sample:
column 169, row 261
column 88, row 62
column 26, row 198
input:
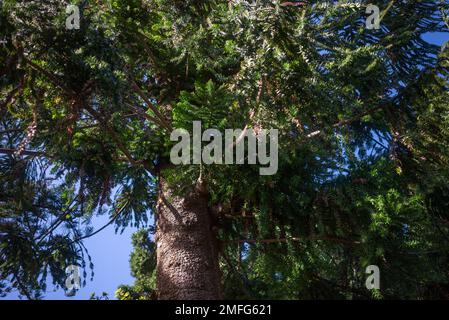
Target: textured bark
column 187, row 258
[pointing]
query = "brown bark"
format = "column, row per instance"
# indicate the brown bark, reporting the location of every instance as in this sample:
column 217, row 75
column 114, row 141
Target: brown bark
column 187, row 257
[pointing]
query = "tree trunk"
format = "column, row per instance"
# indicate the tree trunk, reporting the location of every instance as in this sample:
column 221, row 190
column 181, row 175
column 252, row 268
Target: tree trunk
column 187, row 257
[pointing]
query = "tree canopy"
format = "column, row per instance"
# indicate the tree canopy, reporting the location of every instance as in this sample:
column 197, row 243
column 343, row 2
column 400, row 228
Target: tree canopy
column 363, row 118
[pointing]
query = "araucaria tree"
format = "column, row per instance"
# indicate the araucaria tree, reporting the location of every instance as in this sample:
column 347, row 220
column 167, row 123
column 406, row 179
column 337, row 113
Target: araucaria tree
column 86, row 113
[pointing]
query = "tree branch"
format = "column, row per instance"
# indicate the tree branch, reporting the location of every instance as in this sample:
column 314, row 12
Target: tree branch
column 146, row 116
column 150, row 105
column 349, row 121
column 117, row 213
column 53, row 79
column 117, row 139
column 296, row 239
column 25, row 152
column 10, row 96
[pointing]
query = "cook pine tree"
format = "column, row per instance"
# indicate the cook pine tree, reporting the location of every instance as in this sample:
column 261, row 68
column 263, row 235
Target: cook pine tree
column 86, row 116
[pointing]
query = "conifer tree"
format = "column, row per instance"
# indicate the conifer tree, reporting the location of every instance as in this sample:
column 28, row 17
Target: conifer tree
column 86, row 115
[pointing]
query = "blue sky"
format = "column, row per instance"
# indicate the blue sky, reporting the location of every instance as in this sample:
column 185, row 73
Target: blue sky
column 110, row 252
column 437, row 38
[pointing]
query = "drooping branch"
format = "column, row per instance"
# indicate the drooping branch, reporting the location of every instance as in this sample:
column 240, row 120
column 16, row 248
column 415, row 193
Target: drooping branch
column 114, row 217
column 23, row 289
column 70, row 208
column 344, row 241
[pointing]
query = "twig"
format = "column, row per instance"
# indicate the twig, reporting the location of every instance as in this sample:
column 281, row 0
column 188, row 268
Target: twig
column 348, row 121
column 296, row 239
column 24, row 152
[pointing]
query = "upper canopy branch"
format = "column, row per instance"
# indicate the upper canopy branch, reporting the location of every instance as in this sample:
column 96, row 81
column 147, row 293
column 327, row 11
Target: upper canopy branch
column 349, row 121
column 120, row 144
column 150, row 105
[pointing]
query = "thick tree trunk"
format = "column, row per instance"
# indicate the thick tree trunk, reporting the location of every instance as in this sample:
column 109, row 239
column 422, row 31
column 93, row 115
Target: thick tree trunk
column 187, row 258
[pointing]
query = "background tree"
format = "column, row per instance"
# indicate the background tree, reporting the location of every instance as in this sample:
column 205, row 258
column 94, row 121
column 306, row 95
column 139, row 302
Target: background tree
column 363, row 148
column 143, row 267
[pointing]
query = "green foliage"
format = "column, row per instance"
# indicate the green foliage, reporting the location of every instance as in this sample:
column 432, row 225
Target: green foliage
column 143, row 269
column 363, row 140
